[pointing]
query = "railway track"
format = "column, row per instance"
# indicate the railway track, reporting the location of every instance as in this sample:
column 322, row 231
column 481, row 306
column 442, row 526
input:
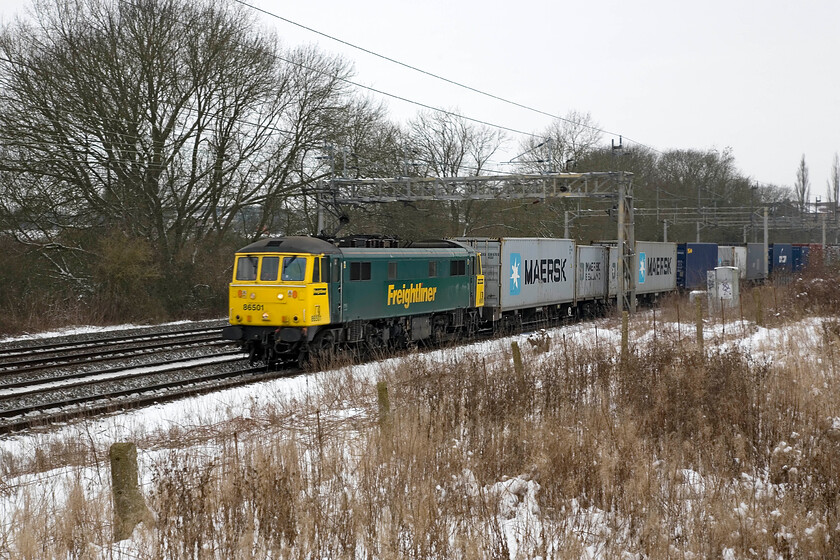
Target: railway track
column 55, row 380
column 52, row 381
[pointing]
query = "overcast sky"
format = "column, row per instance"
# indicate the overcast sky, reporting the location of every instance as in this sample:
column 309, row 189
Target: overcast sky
column 760, row 78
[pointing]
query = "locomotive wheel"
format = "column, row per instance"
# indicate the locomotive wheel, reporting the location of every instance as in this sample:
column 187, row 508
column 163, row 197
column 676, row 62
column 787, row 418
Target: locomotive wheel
column 375, row 344
column 323, row 344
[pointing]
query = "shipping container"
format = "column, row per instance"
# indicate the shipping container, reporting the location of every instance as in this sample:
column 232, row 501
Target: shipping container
column 525, row 273
column 655, row 267
column 694, row 260
column 726, row 255
column 735, row 256
column 801, row 256
column 592, row 273
column 831, row 255
column 780, row 258
column 756, row 262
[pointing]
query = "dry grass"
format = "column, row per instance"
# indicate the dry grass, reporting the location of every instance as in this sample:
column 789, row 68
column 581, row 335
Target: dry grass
column 668, row 453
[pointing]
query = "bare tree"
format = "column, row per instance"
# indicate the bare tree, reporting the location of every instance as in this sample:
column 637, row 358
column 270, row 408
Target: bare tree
column 447, row 145
column 562, row 145
column 802, row 186
column 166, row 120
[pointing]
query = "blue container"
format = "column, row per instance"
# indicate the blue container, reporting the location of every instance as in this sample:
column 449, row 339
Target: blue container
column 780, row 258
column 693, row 261
column 800, row 257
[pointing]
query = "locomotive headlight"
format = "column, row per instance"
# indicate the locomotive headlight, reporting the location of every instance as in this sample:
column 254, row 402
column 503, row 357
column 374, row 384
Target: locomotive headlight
column 279, row 296
column 295, row 319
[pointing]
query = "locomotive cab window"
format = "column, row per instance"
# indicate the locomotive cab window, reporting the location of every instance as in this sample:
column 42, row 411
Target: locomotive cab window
column 432, row 269
column 457, row 268
column 294, row 269
column 270, row 268
column 392, row 271
column 360, row 270
column 316, row 270
column 325, row 270
column 246, row 268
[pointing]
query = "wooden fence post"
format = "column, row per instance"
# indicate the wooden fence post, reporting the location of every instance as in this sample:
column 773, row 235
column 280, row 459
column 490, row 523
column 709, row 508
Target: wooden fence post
column 517, row 360
column 625, row 333
column 129, row 504
column 384, row 402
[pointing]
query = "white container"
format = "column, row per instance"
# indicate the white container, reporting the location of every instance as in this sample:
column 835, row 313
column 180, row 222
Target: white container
column 592, row 273
column 655, row 268
column 525, row 272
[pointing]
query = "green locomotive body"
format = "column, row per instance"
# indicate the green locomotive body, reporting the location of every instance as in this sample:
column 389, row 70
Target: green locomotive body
column 352, row 297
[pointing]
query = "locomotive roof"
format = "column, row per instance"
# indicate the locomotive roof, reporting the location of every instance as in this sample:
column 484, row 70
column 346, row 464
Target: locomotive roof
column 291, row 244
column 315, row 245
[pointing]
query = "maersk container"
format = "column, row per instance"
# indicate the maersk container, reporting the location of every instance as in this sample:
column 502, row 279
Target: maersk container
column 654, row 268
column 756, row 257
column 592, row 273
column 524, row 272
column 780, row 257
column 693, row 261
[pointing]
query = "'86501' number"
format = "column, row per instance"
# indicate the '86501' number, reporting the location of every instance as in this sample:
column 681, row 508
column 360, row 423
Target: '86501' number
column 253, row 307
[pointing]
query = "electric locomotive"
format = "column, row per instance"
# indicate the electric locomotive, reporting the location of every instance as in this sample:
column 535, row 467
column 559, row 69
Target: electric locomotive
column 292, row 298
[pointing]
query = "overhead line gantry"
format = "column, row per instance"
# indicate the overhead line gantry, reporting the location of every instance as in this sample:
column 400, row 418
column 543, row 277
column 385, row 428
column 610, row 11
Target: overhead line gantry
column 339, row 192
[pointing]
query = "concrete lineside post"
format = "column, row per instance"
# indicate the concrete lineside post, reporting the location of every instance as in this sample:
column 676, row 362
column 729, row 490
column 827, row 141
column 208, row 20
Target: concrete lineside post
column 517, row 360
column 129, row 505
column 625, row 333
column 698, row 308
column 384, row 402
column 759, row 307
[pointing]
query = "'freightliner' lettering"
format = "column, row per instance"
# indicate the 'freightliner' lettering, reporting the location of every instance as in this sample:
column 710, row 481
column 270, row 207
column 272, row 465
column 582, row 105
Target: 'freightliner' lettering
column 412, row 294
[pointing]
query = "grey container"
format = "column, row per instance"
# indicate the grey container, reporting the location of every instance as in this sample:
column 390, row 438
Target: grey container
column 526, row 272
column 592, row 272
column 656, row 267
column 756, row 256
column 733, row 255
column 659, row 273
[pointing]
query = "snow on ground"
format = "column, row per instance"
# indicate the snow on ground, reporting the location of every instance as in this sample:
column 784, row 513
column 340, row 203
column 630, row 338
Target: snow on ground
column 77, row 330
column 519, row 512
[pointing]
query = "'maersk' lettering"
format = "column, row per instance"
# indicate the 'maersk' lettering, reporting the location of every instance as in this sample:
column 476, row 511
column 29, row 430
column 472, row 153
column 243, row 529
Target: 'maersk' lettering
column 545, row 271
column 658, row 266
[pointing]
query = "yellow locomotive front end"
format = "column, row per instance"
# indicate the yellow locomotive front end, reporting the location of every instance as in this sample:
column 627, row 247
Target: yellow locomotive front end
column 278, row 296
column 283, row 290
